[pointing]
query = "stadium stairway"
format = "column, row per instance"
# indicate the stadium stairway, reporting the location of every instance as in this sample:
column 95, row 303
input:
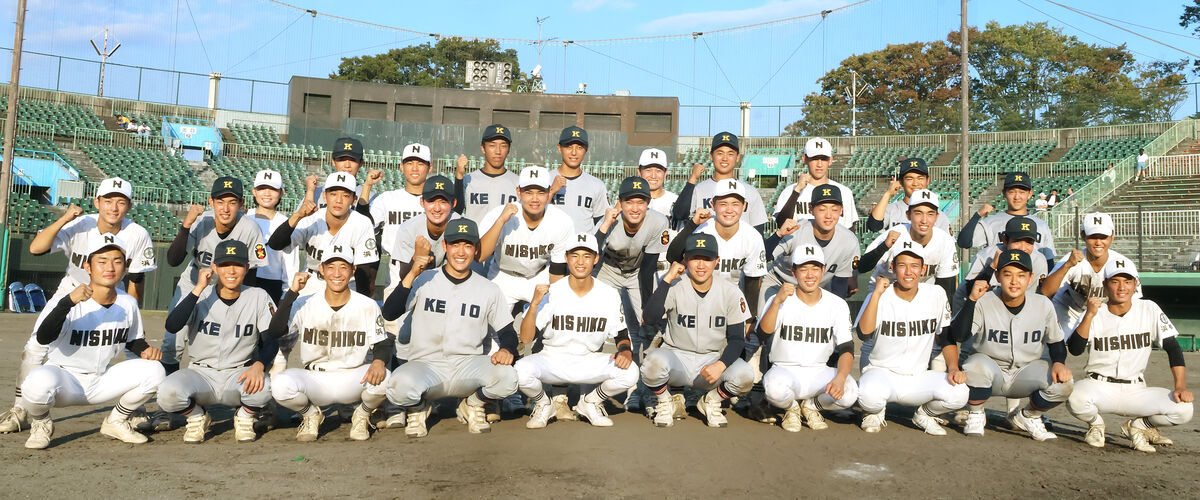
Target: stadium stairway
column 1186, row 147
column 1055, row 154
column 84, row 164
column 943, row 159
column 1163, row 193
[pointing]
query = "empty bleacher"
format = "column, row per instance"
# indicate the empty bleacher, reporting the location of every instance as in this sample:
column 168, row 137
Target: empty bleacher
column 1100, row 149
column 64, row 118
column 254, row 134
column 1006, row 153
column 146, row 167
column 882, row 161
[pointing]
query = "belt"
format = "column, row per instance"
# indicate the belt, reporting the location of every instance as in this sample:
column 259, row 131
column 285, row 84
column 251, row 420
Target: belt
column 315, row 367
column 515, row 275
column 211, row 367
column 1102, row 378
column 661, row 265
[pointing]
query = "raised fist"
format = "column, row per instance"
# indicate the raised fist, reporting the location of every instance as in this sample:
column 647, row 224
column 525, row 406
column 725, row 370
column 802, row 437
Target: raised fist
column 72, row 213
column 460, row 166
column 421, row 246
column 986, row 209
column 203, row 277
column 1093, row 304
column 802, row 181
column 299, row 280
column 789, row 226
column 306, row 208
column 978, row 288
column 420, row 262
column 701, row 216
column 193, row 213
column 1075, row 258
column 509, row 210
column 81, row 293
column 611, row 214
column 785, row 290
column 374, row 176
column 310, row 184
column 559, row 183
column 540, row 291
column 676, row 270
column 894, row 187
column 697, row 173
column 881, row 284
column 891, row 239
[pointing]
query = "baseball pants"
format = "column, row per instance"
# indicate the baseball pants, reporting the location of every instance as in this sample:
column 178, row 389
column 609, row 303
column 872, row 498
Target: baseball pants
column 668, row 366
column 297, row 388
column 131, row 383
column 172, row 349
column 519, row 289
column 631, row 305
column 457, row 376
column 786, row 384
column 1092, row 397
column 206, row 386
column 1032, row 380
column 563, row 368
column 879, row 386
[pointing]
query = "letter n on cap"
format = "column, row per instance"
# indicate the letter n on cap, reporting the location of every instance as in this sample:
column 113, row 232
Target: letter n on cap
column 809, row 251
column 581, row 238
column 1097, row 220
column 108, row 238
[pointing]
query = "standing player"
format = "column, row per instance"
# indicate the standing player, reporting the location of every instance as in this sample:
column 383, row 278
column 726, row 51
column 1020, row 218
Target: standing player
column 977, row 233
column 698, row 194
column 81, row 333
column 1006, row 330
column 346, row 156
column 839, row 246
column 1019, row 234
column 422, row 234
column 224, row 328
column 818, row 157
column 813, row 332
column 272, row 277
column 652, row 166
column 492, row 185
column 1120, row 335
column 1079, row 275
column 580, row 194
column 907, row 319
column 451, row 312
column 703, row 337
column 913, row 175
column 343, row 348
column 576, row 316
column 392, row 208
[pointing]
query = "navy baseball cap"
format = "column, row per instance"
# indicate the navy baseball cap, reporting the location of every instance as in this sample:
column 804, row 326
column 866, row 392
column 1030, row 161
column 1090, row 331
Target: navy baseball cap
column 462, row 230
column 1015, row 258
column 231, row 251
column 913, row 165
column 227, row 185
column 438, row 185
column 724, row 139
column 633, row 187
column 573, row 135
column 826, row 193
column 497, row 131
column 700, row 245
column 1020, row 228
column 348, row 147
column 1017, row 179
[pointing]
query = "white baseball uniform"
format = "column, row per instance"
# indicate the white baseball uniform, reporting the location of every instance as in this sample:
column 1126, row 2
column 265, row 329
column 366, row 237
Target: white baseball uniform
column 664, row 205
column 742, row 255
column 940, row 255
column 805, row 340
column 1081, row 282
column 312, row 235
column 522, row 256
column 803, row 211
column 72, row 241
column 391, row 209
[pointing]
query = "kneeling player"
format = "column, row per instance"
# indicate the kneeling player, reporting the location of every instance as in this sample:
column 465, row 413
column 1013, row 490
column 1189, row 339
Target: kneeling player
column 223, row 328
column 82, row 332
column 813, row 332
column 1007, row 330
column 1120, row 335
column 703, row 338
column 577, row 315
column 907, row 318
column 343, row 347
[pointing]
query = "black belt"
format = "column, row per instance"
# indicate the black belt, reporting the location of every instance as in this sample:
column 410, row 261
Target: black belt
column 317, row 368
column 1103, row 378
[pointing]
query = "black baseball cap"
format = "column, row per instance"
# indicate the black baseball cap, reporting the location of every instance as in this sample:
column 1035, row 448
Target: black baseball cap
column 1015, row 258
column 573, row 135
column 231, row 251
column 826, row 193
column 438, row 185
column 700, row 245
column 1020, row 228
column 913, row 165
column 461, row 230
column 497, row 131
column 227, row 185
column 1017, row 179
column 348, row 146
column 724, row 139
column 633, row 187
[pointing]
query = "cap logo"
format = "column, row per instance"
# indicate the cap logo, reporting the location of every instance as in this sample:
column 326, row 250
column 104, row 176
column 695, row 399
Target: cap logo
column 1017, row 177
column 337, row 249
column 533, row 173
column 700, row 243
column 268, row 175
column 1097, row 220
column 926, row 194
column 230, row 250
column 906, row 245
column 733, row 184
column 809, row 251
column 1024, row 226
column 415, row 148
column 574, row 133
column 1014, row 256
column 346, row 146
column 462, row 228
column 439, row 185
column 654, row 154
column 637, row 184
column 341, row 178
column 826, row 192
column 108, row 238
column 117, row 184
column 912, row 163
column 1119, row 263
column 581, row 238
column 499, row 130
column 228, row 184
column 725, row 137
column 819, row 144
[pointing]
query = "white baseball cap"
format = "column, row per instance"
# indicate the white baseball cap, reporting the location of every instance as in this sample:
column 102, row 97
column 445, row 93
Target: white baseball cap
column 729, row 187
column 652, row 156
column 1097, row 223
column 341, row 180
column 818, row 147
column 268, row 178
column 97, row 242
column 534, row 175
column 586, row 241
column 806, row 253
column 924, row 197
column 415, row 150
column 337, row 251
column 115, row 185
column 1116, row 266
column 907, row 246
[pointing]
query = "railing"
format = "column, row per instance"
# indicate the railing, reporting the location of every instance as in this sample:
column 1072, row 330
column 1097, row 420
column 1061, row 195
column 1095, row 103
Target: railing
column 1153, row 223
column 48, row 155
column 1174, row 166
column 141, row 194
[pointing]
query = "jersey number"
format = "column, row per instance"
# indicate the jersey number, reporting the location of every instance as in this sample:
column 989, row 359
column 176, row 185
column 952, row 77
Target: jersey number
column 472, row 311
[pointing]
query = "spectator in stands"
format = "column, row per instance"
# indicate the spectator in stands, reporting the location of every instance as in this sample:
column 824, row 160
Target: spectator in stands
column 1143, row 171
column 1053, row 199
column 123, row 122
column 913, row 175
column 1109, row 174
column 793, row 202
column 347, row 157
column 143, row 130
column 1042, row 204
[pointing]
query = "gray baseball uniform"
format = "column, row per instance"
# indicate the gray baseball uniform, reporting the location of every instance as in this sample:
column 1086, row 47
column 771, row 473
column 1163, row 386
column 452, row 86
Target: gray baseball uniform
column 696, row 336
column 483, row 192
column 1007, row 348
column 756, row 211
column 584, row 198
column 622, row 260
column 403, row 244
column 985, row 258
column 989, row 230
column 841, row 255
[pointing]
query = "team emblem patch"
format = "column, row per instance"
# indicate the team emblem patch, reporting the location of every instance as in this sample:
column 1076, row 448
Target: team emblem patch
column 148, row 253
column 379, row 322
column 743, row 304
column 666, row 238
column 855, row 263
column 260, row 251
column 370, row 244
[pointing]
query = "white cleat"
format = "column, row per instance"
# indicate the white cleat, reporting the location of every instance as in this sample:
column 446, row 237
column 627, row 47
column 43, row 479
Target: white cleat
column 415, row 425
column 1095, row 435
column 960, row 417
column 1154, row 436
column 664, row 412
column 541, row 414
column 976, row 421
column 474, row 417
column 812, row 415
column 792, row 421
column 40, row 431
column 710, row 406
column 594, row 413
column 310, row 427
column 197, row 428
column 243, row 428
column 928, row 423
column 680, row 406
column 14, row 420
column 562, row 408
column 1137, row 436
column 1032, row 425
column 360, row 425
column 122, row 431
column 873, row 422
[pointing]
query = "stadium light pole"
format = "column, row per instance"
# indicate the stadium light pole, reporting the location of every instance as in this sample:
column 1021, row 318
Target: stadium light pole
column 10, row 140
column 964, row 204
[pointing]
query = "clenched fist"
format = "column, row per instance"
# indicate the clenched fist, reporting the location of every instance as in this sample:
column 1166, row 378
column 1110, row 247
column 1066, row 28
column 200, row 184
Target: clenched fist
column 193, row 213
column 421, row 246
column 785, row 290
column 299, row 280
column 802, row 181
column 539, row 292
column 894, row 187
column 701, row 216
column 72, row 213
column 510, row 210
column 81, row 293
column 881, row 284
column 891, row 239
column 559, row 183
column 978, row 289
column 674, row 273
column 460, row 166
column 306, row 208
column 1075, row 258
column 374, row 176
column 789, row 226
column 1093, row 305
column 986, row 209
column 697, row 173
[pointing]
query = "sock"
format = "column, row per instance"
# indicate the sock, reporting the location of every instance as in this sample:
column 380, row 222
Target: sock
column 119, row 413
column 539, row 398
column 475, row 400
column 309, row 410
column 246, row 411
column 595, row 397
column 1140, row 423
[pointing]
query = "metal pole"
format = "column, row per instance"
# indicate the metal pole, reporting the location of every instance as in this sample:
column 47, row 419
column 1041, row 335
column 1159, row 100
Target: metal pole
column 58, row 78
column 139, row 94
column 853, row 103
column 252, row 82
column 1139, row 235
column 10, row 140
column 964, row 204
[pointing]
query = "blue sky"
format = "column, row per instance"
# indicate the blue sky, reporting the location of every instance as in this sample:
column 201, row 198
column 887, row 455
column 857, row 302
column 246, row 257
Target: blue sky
column 771, row 65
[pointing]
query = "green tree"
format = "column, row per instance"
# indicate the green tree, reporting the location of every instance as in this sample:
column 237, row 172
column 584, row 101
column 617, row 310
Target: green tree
column 1191, row 15
column 439, row 65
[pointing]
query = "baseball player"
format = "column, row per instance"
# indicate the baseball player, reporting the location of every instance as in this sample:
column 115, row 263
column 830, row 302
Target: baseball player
column 908, row 318
column 451, row 312
column 437, row 209
column 697, row 194
column 1120, row 335
column 580, row 194
column 392, row 208
column 818, row 157
column 984, row 231
column 81, row 334
column 199, row 236
column 1078, row 276
column 223, row 327
column 1019, row 234
column 652, row 166
column 1005, row 330
column 311, row 231
column 810, row 330
column 839, row 246
column 344, row 349
column 272, row 277
column 346, row 156
column 576, row 316
column 492, row 185
column 913, row 175
column 703, row 337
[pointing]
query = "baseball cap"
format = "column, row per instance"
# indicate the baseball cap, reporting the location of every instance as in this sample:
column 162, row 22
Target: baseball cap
column 341, row 180
column 416, row 150
column 724, row 139
column 633, row 187
column 573, row 135
column 497, row 131
column 826, row 193
column 806, row 253
column 907, row 247
column 461, row 230
column 231, row 251
column 226, row 185
column 348, row 147
column 268, row 178
column 700, row 245
column 1017, row 179
column 534, row 175
column 115, row 185
column 97, row 242
column 653, row 157
column 585, row 241
column 1117, row 266
column 438, row 185
column 1021, row 228
column 1097, row 223
column 1015, row 258
column 818, row 147
column 913, row 165
column 338, row 251
column 729, row 187
column 924, row 197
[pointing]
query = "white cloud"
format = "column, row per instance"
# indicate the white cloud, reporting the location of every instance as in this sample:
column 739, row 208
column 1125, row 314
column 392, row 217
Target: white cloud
column 590, row 5
column 699, row 21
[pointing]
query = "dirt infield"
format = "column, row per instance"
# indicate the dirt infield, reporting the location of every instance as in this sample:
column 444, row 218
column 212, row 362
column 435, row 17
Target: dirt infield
column 573, row 459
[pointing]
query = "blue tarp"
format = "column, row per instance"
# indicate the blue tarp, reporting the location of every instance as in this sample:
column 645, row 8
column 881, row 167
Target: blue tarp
column 43, row 173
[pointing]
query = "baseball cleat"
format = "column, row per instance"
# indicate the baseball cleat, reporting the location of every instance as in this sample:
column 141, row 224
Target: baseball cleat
column 493, row 411
column 813, row 415
column 594, row 413
column 710, row 406
column 540, row 415
column 415, row 426
column 1032, row 425
column 360, row 425
column 960, row 417
column 792, row 421
column 761, row 412
column 927, row 423
column 197, row 428
column 473, row 416
column 680, row 406
column 976, row 421
column 394, row 421
column 40, row 431
column 1095, row 435
column 1154, row 436
column 873, row 422
column 664, row 411
column 562, row 408
column 310, row 426
column 1137, row 436
column 243, row 428
column 14, row 420
column 122, row 431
